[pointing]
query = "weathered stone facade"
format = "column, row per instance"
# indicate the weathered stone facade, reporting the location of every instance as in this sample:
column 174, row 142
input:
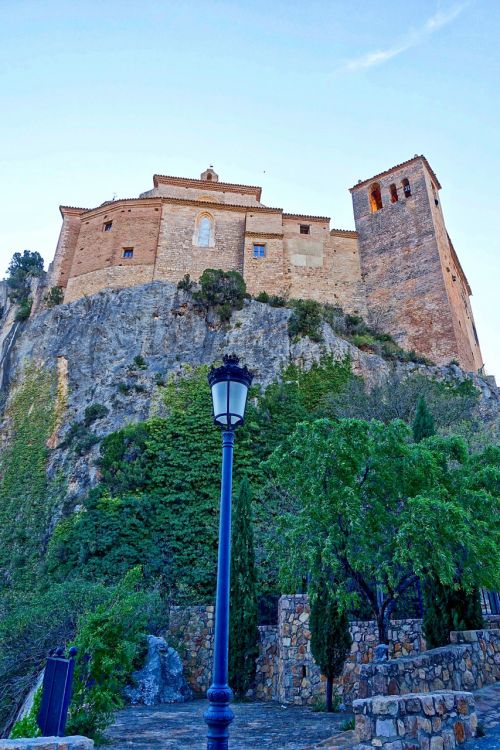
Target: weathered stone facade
column 286, row 670
column 75, row 742
column 470, row 662
column 399, row 269
column 437, row 721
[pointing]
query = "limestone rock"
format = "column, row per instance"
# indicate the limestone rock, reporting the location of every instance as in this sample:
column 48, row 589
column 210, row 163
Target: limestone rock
column 161, row 680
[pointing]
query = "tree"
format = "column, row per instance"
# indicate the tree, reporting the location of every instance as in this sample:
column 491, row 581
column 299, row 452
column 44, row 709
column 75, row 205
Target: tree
column 330, row 637
column 423, row 423
column 21, row 268
column 448, row 608
column 381, row 510
column 224, row 291
column 243, row 632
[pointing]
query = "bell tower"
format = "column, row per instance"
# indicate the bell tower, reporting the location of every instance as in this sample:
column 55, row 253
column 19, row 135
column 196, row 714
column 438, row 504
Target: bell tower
column 415, row 286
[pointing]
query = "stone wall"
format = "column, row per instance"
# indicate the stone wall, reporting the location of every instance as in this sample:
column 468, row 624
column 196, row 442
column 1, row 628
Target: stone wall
column 470, row 662
column 286, row 670
column 437, row 721
column 75, row 742
column 398, row 254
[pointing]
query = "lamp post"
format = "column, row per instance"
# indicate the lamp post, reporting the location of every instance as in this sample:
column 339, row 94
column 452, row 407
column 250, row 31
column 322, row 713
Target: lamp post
column 229, row 385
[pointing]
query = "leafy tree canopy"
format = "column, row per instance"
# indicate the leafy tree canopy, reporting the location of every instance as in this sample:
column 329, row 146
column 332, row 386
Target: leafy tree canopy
column 379, row 509
column 21, row 268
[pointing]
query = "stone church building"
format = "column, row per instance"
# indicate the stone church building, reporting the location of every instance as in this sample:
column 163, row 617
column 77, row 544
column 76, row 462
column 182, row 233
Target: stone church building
column 399, row 268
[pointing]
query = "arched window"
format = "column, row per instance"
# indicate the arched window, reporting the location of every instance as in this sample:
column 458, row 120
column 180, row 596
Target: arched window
column 394, row 193
column 406, row 187
column 375, row 197
column 204, row 232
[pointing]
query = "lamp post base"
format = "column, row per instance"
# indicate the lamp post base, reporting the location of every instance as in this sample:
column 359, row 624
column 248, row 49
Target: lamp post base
column 218, row 717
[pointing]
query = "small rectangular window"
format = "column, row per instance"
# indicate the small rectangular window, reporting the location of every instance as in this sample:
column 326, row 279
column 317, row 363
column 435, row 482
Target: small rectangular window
column 128, row 252
column 107, row 226
column 259, row 251
column 305, row 229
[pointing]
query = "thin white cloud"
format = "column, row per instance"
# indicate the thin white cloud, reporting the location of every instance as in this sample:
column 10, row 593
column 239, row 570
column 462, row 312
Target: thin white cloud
column 433, row 24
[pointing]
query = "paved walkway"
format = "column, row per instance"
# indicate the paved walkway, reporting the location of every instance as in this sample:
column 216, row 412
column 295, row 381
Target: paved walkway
column 257, row 726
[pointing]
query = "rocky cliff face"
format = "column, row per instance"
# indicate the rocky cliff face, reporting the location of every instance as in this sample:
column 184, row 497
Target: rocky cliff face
column 91, row 345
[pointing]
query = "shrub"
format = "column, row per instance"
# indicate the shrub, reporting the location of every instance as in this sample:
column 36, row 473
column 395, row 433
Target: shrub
column 123, row 388
column 94, row 412
column 140, row 362
column 185, row 284
column 79, row 438
column 27, row 726
column 24, row 310
column 110, row 643
column 276, row 301
column 54, row 297
column 448, row 608
column 305, row 319
column 262, row 297
column 224, row 291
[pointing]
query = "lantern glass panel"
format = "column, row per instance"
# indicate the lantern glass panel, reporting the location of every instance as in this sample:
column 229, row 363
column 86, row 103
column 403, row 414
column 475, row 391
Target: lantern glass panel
column 219, row 398
column 237, row 400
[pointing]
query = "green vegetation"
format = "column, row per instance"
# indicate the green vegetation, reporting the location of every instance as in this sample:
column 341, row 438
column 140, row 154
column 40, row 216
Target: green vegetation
column 27, row 498
column 27, row 726
column 185, row 284
column 330, row 637
column 24, row 309
column 22, row 268
column 377, row 508
column 243, row 633
column 449, row 608
column 305, row 319
column 55, row 296
column 423, row 423
column 94, row 412
column 156, row 506
column 222, row 291
column 139, row 362
column 111, row 644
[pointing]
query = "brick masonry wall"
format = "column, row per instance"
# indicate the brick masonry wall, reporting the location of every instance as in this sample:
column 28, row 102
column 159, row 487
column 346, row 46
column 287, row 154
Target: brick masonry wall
column 400, row 269
column 470, row 662
column 401, row 264
column 437, row 721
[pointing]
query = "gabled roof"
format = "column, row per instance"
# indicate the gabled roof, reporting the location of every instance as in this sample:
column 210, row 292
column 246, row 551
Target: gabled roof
column 398, row 166
column 161, row 179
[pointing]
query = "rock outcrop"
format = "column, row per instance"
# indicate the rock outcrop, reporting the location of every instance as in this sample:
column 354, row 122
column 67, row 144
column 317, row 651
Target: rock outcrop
column 161, row 679
column 92, row 343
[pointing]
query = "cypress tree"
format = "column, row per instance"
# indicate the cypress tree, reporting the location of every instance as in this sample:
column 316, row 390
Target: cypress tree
column 243, row 631
column 330, row 637
column 447, row 608
column 423, row 422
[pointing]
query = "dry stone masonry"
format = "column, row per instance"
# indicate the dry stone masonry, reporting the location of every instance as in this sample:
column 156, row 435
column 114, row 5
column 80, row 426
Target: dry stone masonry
column 48, row 743
column 470, row 662
column 437, row 721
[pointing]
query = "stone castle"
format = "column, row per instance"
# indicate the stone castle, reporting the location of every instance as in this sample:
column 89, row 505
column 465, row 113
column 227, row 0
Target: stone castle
column 399, row 268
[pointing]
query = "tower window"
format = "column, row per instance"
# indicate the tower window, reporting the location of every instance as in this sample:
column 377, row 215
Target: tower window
column 107, row 226
column 205, row 231
column 128, row 252
column 406, row 187
column 394, row 193
column 259, row 251
column 305, row 229
column 375, row 197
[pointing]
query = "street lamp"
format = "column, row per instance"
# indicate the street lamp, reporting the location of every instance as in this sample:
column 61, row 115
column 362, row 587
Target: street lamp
column 229, row 385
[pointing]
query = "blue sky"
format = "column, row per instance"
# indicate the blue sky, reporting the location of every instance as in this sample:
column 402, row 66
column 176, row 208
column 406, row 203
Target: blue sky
column 301, row 98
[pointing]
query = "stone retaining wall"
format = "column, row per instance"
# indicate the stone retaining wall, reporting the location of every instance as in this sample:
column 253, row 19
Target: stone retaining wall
column 436, row 721
column 48, row 743
column 286, row 670
column 469, row 662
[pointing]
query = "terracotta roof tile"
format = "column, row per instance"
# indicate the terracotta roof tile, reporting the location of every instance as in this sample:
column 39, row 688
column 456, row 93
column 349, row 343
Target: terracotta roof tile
column 398, row 166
